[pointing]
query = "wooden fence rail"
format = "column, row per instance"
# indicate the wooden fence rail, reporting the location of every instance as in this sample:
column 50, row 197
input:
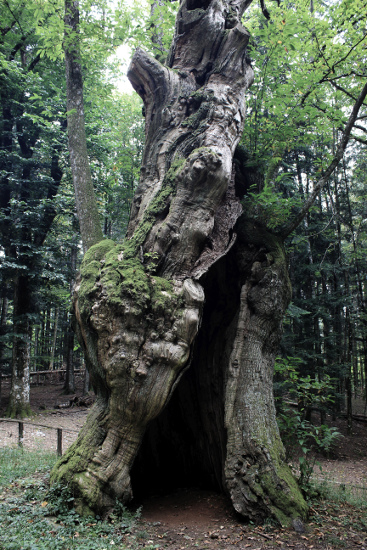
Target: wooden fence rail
column 44, row 374
column 21, row 425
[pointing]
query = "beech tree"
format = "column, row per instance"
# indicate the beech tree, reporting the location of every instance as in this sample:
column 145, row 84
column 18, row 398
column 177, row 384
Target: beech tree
column 180, row 323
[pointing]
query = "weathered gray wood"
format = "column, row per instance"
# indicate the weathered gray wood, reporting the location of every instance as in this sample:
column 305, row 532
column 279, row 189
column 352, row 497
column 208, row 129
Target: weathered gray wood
column 59, row 442
column 20, row 434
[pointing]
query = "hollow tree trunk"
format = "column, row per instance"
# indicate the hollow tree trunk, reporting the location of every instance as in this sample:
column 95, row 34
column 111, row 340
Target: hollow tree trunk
column 139, row 306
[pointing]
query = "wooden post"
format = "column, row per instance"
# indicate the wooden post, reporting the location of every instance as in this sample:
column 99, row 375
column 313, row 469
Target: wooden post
column 20, row 436
column 59, row 442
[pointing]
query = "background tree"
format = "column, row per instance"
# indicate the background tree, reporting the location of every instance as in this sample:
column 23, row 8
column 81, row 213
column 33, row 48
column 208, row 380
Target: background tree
column 294, row 123
column 31, row 172
column 33, row 195
column 84, row 191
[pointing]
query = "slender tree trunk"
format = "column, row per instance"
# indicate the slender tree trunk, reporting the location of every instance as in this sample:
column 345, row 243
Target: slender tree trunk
column 46, row 339
column 19, row 403
column 54, row 338
column 139, row 306
column 86, row 382
column 36, row 352
column 3, row 321
column 90, row 227
column 69, row 386
column 348, row 356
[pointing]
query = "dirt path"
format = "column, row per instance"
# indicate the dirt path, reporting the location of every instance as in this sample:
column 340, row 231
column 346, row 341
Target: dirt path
column 40, row 431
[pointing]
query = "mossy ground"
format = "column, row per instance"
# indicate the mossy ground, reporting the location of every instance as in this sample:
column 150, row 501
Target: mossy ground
column 33, row 516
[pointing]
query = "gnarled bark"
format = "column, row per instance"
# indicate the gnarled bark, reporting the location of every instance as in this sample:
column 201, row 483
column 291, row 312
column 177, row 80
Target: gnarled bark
column 219, row 429
column 257, row 478
column 139, row 306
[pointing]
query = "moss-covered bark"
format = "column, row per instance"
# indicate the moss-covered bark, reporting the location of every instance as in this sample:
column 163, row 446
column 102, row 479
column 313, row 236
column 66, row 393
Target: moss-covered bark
column 136, row 330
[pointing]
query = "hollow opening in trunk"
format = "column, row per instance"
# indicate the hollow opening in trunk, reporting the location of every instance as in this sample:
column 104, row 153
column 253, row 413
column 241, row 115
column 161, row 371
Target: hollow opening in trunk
column 198, row 4
column 186, row 445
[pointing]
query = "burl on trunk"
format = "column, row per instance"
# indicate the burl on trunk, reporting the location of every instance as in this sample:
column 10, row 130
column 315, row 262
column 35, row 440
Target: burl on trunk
column 196, row 282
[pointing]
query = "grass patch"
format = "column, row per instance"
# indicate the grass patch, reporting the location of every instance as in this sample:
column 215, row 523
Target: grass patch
column 339, row 515
column 340, row 493
column 17, row 464
column 35, row 517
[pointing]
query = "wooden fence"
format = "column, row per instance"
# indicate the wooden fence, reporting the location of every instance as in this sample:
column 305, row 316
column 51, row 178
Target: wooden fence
column 40, row 376
column 21, row 425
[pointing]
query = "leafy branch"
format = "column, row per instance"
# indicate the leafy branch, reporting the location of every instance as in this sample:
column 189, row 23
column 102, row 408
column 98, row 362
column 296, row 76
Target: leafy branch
column 291, row 226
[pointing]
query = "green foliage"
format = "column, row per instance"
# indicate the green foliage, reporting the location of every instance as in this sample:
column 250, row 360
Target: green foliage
column 115, row 137
column 297, row 57
column 306, row 82
column 60, row 499
column 123, row 518
column 146, row 23
column 269, row 207
column 298, row 433
column 37, row 223
column 327, row 264
column 33, row 516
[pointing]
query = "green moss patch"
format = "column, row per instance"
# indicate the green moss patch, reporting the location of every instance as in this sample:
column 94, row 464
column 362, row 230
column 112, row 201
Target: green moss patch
column 203, row 102
column 162, row 294
column 287, row 500
column 156, row 207
column 120, row 278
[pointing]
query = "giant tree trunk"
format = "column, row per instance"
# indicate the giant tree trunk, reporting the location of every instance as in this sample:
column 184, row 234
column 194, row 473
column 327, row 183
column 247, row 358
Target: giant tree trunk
column 140, row 307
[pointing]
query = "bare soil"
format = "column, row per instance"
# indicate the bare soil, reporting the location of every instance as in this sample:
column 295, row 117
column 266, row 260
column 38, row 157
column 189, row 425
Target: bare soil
column 191, row 518
column 51, row 410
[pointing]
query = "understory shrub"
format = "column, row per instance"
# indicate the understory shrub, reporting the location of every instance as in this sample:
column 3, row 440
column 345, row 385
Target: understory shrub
column 294, row 395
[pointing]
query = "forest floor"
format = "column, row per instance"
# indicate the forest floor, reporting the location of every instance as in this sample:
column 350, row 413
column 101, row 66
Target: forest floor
column 199, row 519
